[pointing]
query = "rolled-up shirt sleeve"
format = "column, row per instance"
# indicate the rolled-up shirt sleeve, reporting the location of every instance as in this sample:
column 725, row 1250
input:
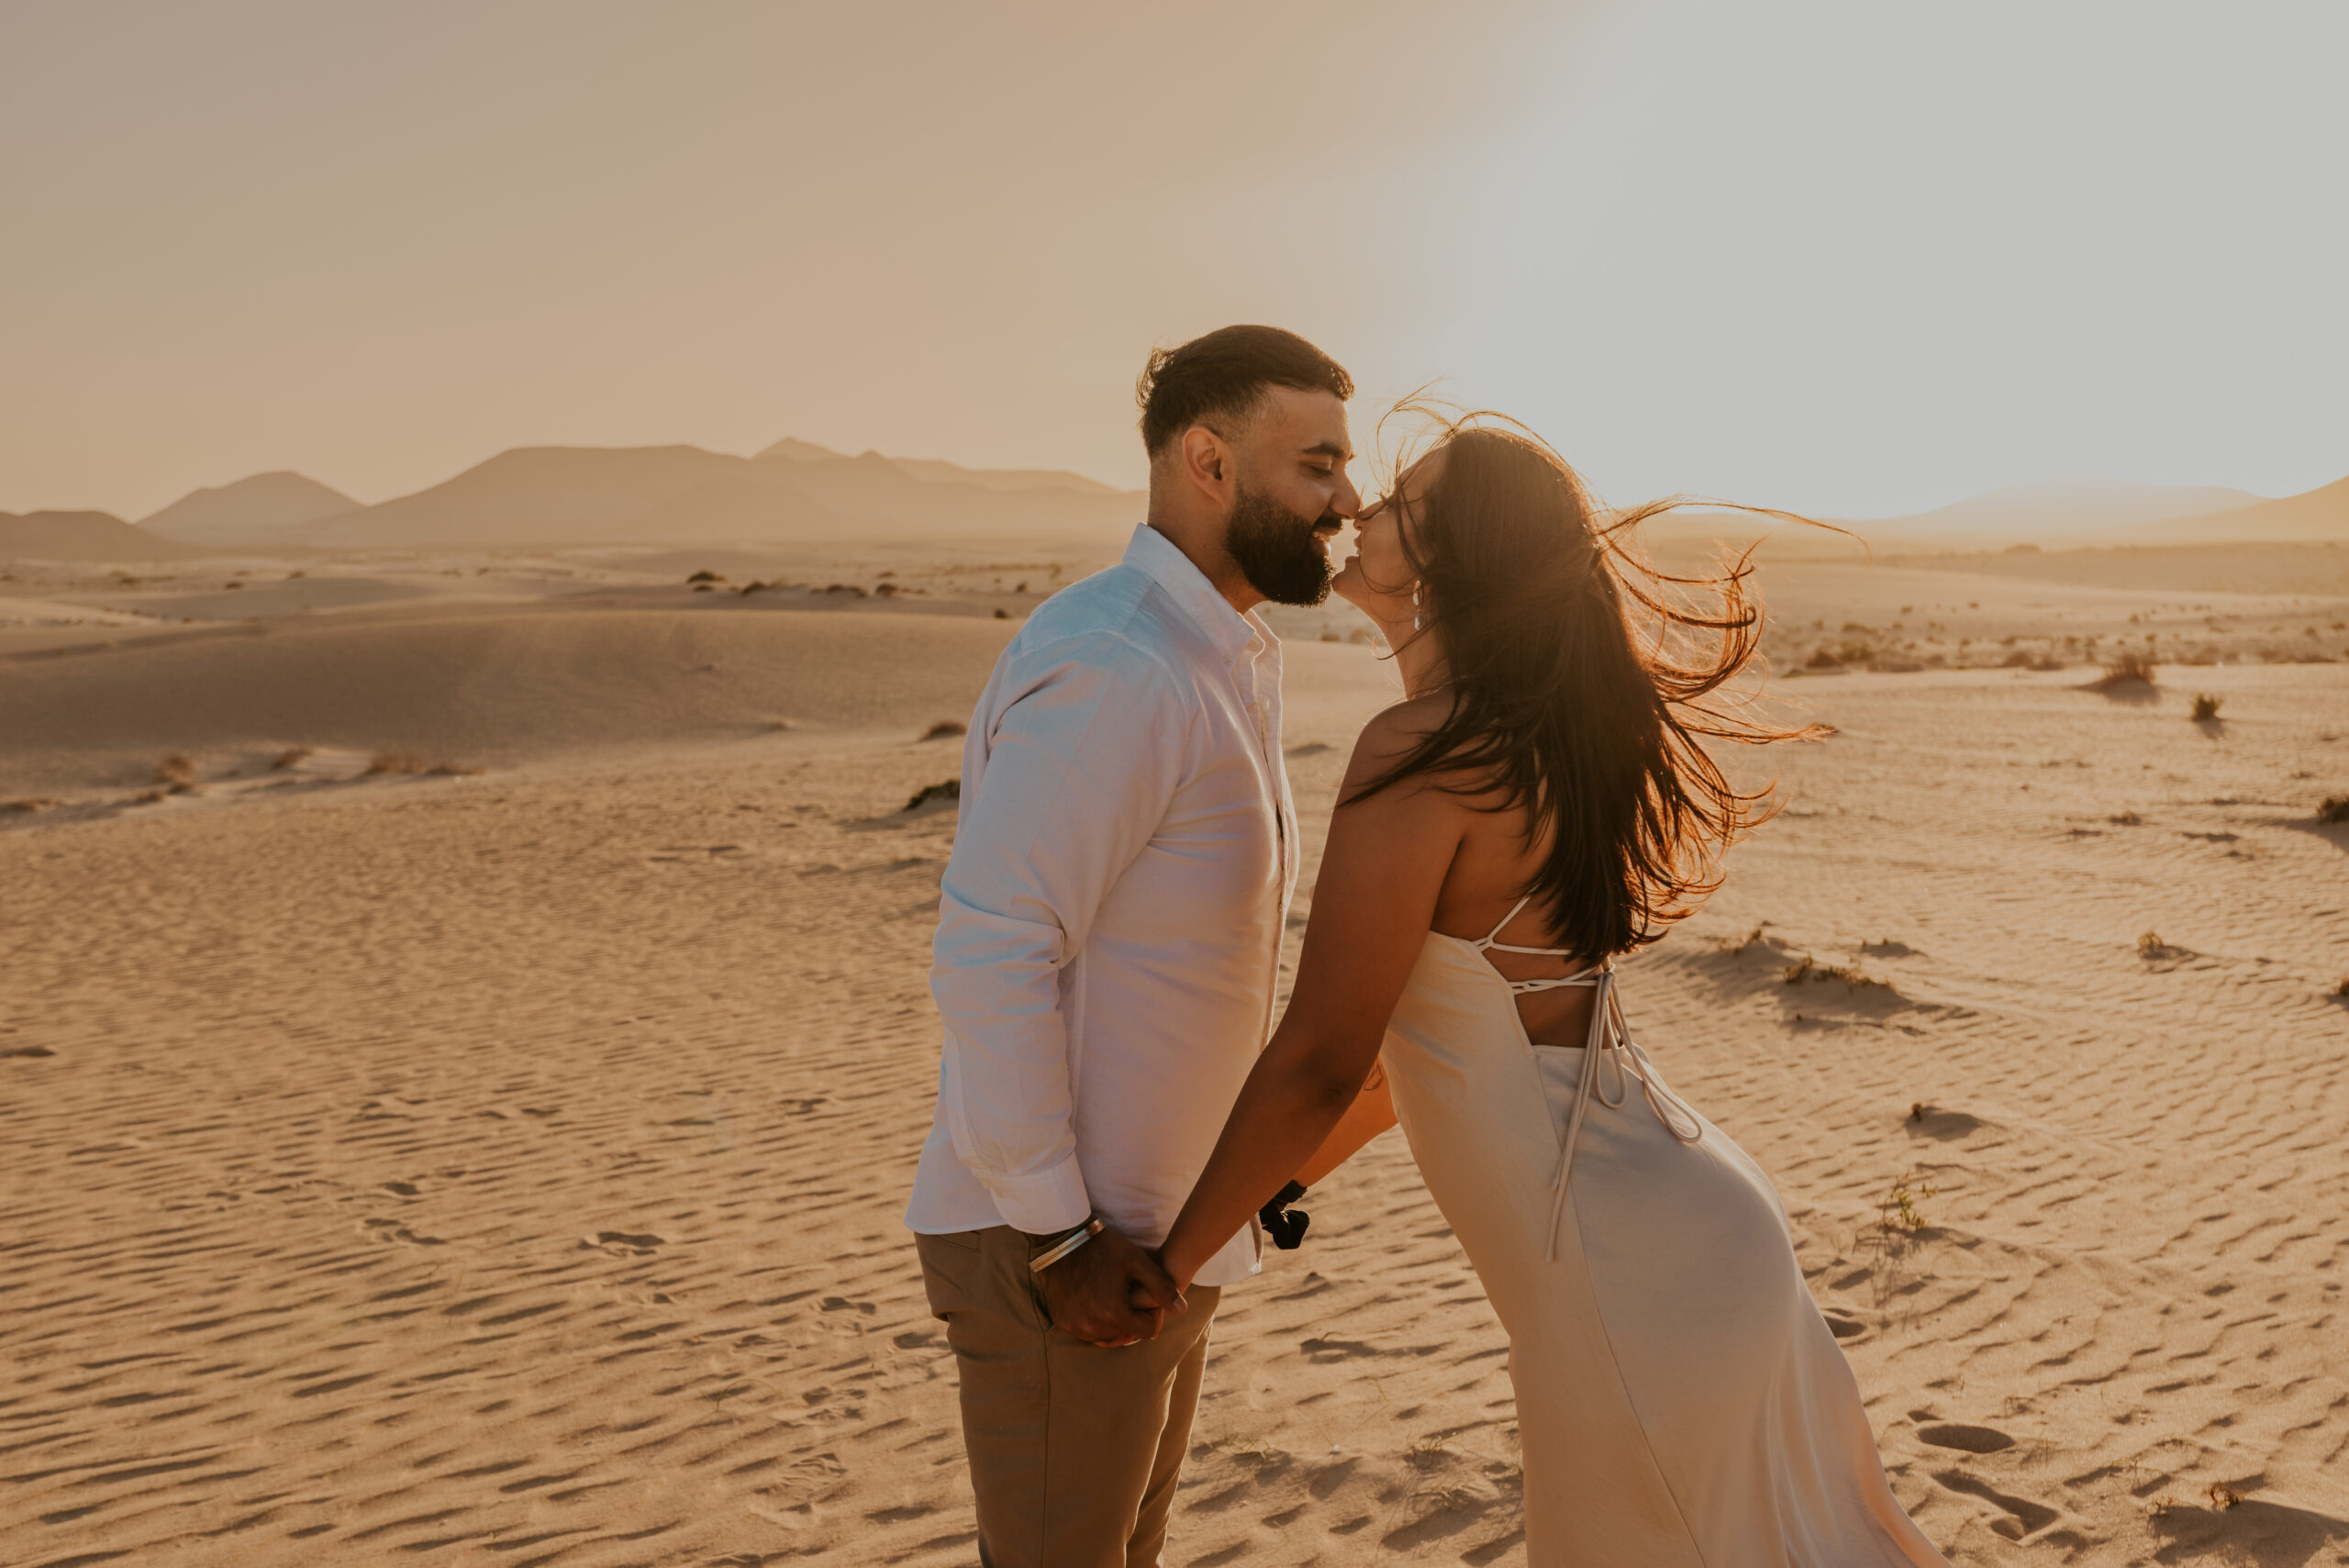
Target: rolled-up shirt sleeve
column 1079, row 768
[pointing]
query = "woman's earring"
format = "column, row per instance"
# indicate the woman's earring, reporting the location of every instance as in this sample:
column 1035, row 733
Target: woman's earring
column 1418, row 622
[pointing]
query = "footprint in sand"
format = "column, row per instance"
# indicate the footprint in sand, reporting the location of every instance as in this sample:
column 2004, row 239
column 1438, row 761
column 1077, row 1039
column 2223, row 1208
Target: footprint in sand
column 634, row 1244
column 2024, row 1516
column 1971, row 1440
column 1842, row 1324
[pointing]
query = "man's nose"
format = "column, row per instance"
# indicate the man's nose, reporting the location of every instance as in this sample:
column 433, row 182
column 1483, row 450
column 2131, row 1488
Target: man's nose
column 1347, row 503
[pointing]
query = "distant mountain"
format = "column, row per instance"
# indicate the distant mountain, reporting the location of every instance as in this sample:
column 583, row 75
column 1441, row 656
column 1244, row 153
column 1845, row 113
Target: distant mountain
column 2067, row 508
column 792, row 450
column 930, row 471
column 531, row 495
column 249, row 509
column 2319, row 513
column 81, row 536
column 793, row 492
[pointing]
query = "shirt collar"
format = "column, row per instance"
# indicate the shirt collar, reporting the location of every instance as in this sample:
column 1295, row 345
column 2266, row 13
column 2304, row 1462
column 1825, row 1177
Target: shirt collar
column 1231, row 632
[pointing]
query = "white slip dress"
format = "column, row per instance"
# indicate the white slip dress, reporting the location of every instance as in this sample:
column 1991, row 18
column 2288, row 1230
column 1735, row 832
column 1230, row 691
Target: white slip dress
column 1679, row 1398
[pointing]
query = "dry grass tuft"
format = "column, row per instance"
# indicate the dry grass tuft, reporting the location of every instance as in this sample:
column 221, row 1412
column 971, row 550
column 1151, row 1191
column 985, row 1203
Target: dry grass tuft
column 2150, row 945
column 2207, row 704
column 176, row 772
column 1898, row 1210
column 2335, row 809
column 2222, row 1497
column 1851, row 975
column 2342, row 989
column 30, row 803
column 2126, row 668
column 944, row 728
column 287, row 758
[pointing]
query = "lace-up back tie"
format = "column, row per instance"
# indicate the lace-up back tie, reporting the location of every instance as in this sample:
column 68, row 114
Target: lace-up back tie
column 1608, row 1049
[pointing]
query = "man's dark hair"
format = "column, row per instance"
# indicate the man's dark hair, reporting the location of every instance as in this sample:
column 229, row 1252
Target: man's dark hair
column 1226, row 374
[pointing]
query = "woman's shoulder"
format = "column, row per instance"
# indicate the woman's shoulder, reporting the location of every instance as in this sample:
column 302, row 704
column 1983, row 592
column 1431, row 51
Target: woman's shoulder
column 1395, row 732
column 1397, row 735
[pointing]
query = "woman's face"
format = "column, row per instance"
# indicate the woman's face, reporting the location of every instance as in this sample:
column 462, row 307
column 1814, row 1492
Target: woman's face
column 1377, row 578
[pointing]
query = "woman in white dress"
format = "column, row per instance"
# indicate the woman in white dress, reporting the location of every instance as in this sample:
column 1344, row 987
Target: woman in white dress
column 1540, row 802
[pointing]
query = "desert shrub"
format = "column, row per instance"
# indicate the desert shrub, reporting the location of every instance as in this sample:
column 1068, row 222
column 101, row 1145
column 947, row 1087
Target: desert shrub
column 31, row 803
column 2207, row 704
column 1810, row 970
column 951, row 790
column 1738, row 944
column 2335, row 808
column 175, row 770
column 408, row 765
column 944, row 728
column 2126, row 667
column 2150, row 945
column 287, row 758
column 705, row 577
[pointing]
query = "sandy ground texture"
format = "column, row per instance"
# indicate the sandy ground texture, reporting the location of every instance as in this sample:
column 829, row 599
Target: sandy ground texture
column 504, row 1166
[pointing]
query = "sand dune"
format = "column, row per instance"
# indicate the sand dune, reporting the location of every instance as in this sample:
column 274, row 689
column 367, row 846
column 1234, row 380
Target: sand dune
column 2099, row 513
column 510, row 1164
column 491, row 684
column 2320, row 514
column 2070, row 508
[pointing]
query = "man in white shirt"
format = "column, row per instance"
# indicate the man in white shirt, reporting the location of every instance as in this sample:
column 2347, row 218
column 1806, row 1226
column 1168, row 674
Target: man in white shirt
column 1108, row 939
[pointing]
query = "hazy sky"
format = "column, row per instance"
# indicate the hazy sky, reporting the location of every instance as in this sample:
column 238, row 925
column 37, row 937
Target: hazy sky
column 1860, row 258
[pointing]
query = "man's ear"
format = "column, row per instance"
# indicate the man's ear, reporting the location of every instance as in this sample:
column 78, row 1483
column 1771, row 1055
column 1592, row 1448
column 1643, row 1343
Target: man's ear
column 1209, row 462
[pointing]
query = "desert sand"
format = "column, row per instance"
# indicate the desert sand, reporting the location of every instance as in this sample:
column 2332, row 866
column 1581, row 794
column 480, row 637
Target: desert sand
column 464, row 1041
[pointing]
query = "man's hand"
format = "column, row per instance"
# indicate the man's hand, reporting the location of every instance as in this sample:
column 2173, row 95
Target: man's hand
column 1109, row 1292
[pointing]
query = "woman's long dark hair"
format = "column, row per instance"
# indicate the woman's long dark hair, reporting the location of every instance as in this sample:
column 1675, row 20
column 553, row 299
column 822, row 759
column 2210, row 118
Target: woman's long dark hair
column 1564, row 705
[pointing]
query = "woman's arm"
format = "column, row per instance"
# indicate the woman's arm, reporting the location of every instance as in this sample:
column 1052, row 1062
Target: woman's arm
column 1385, row 862
column 1372, row 1113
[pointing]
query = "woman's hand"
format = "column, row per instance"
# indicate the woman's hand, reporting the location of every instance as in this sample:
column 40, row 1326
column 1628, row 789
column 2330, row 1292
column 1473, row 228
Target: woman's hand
column 1109, row 1292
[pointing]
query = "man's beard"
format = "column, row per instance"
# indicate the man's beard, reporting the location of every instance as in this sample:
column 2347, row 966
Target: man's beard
column 1276, row 552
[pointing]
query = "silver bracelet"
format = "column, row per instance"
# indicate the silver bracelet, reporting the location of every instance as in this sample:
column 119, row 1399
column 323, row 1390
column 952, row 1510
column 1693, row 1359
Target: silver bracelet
column 1065, row 1245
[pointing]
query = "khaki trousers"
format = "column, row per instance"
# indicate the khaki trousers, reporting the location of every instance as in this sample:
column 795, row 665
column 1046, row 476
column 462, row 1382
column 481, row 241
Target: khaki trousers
column 1074, row 1449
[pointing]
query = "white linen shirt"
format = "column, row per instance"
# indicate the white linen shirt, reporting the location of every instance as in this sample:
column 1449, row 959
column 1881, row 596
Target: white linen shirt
column 1110, row 923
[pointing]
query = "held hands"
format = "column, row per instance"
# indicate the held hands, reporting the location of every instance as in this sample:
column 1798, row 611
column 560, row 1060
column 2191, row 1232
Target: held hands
column 1109, row 1292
